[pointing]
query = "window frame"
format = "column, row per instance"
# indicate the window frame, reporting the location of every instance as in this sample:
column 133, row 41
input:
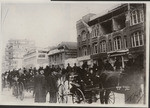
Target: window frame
column 137, row 16
column 83, row 35
column 95, row 50
column 135, row 37
column 116, row 43
column 103, row 47
column 84, row 51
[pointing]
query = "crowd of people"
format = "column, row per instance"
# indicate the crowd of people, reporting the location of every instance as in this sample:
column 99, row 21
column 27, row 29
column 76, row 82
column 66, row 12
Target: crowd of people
column 45, row 79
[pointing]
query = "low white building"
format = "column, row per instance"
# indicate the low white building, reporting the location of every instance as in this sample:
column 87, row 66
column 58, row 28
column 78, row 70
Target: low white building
column 36, row 58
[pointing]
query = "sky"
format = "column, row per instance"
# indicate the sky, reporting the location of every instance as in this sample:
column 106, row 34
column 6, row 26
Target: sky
column 46, row 24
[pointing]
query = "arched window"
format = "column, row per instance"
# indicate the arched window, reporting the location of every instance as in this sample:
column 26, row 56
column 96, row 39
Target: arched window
column 83, row 34
column 95, row 48
column 103, row 46
column 137, row 39
column 117, row 43
column 84, row 51
column 95, row 31
column 137, row 16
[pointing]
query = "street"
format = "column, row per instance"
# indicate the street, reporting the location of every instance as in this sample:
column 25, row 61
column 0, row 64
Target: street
column 7, row 97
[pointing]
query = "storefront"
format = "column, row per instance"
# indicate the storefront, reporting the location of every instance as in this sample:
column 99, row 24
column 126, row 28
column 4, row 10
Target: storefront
column 137, row 53
column 81, row 60
column 97, row 57
column 122, row 56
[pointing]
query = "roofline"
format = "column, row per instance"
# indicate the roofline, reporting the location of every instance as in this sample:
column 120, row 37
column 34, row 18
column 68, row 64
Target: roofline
column 110, row 11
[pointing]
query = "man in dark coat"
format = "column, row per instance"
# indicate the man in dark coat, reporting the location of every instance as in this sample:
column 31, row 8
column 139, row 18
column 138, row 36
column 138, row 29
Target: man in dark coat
column 39, row 87
column 117, row 64
column 46, row 71
column 108, row 66
column 75, row 68
column 52, row 86
column 104, row 94
column 68, row 70
column 58, row 69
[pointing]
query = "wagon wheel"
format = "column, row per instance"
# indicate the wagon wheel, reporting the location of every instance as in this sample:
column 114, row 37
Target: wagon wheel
column 111, row 98
column 62, row 94
column 21, row 91
column 78, row 96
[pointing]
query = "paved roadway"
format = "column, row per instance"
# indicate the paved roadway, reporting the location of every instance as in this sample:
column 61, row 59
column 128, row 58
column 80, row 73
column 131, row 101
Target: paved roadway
column 8, row 98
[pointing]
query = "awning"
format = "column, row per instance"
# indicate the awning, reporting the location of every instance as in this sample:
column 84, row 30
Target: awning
column 84, row 58
column 98, row 56
column 140, row 49
column 55, row 51
column 118, row 53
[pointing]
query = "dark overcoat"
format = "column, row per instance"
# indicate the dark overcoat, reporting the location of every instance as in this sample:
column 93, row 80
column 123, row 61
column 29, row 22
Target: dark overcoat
column 52, row 83
column 40, row 88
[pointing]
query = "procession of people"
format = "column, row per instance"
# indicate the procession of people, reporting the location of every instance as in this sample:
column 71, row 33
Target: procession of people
column 46, row 79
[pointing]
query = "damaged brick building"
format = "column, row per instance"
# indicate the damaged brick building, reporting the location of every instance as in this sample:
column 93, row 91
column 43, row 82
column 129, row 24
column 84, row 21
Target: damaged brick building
column 119, row 33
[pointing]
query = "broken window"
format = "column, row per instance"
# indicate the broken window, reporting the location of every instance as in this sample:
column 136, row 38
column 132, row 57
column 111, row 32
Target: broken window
column 119, row 22
column 106, row 27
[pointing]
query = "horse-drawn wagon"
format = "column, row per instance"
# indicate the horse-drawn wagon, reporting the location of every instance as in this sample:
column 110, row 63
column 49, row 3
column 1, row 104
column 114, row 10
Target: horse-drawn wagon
column 109, row 83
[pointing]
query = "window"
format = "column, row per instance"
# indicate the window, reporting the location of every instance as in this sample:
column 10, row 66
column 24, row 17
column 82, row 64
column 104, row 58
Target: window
column 84, row 51
column 137, row 39
column 40, row 51
column 95, row 49
column 110, row 45
column 83, row 35
column 125, row 42
column 137, row 16
column 103, row 46
column 41, row 55
column 117, row 43
column 95, row 31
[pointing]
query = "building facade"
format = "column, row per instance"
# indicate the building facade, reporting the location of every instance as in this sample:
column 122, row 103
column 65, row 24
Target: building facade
column 119, row 33
column 64, row 51
column 36, row 58
column 14, row 51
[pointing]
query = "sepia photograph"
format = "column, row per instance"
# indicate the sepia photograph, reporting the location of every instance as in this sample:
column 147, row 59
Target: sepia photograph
column 88, row 54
